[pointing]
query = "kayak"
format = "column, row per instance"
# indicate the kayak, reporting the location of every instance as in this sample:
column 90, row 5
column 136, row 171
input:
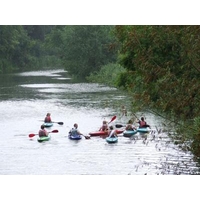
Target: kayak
column 129, row 133
column 44, row 138
column 49, row 124
column 74, row 137
column 99, row 133
column 143, row 130
column 112, row 139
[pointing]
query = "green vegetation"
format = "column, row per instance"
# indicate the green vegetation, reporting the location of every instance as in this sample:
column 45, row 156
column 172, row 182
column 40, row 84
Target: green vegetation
column 157, row 65
column 21, row 47
column 108, row 74
column 162, row 65
column 83, row 49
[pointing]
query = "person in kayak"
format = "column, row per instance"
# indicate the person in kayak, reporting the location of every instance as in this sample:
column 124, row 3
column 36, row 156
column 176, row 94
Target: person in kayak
column 112, row 132
column 43, row 132
column 74, row 131
column 48, row 118
column 130, row 125
column 142, row 123
column 104, row 126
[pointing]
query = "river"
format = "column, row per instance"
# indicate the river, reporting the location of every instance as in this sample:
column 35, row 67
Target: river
column 26, row 97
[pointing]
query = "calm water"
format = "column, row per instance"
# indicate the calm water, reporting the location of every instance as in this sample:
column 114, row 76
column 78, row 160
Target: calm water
column 25, row 98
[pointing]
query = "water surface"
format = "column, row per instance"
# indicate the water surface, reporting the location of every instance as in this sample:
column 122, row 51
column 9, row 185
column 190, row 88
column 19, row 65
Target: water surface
column 26, row 97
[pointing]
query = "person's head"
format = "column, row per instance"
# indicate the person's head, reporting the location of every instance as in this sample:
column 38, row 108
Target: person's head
column 130, row 121
column 142, row 118
column 104, row 122
column 75, row 125
column 42, row 127
column 48, row 114
column 111, row 127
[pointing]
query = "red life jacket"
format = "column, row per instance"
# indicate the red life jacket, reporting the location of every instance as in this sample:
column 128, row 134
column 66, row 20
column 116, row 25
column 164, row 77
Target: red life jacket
column 42, row 133
column 142, row 123
column 104, row 127
column 47, row 119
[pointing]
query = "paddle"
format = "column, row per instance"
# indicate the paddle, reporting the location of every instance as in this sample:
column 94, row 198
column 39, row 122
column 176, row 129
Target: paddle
column 113, row 118
column 86, row 137
column 60, row 123
column 119, row 125
column 135, row 116
column 32, row 134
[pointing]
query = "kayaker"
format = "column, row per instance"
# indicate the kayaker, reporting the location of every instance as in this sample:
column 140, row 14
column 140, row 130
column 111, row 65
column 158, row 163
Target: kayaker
column 112, row 132
column 74, row 130
column 143, row 123
column 104, row 126
column 43, row 132
column 130, row 125
column 48, row 118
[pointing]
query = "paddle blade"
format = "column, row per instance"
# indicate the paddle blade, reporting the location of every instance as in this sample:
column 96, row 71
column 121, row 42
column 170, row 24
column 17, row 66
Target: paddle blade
column 54, row 131
column 32, row 135
column 113, row 118
column 60, row 123
column 87, row 137
column 119, row 126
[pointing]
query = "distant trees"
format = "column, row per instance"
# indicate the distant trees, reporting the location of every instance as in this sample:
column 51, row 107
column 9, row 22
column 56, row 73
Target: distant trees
column 13, row 41
column 83, row 49
column 21, row 47
column 80, row 49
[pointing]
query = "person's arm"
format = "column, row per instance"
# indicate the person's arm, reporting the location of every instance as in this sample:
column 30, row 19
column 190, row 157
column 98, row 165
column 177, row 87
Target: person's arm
column 78, row 132
column 46, row 133
column 134, row 128
column 115, row 133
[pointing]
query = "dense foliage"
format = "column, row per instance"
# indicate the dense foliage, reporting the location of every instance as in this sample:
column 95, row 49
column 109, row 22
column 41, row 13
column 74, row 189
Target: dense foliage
column 163, row 73
column 21, row 47
column 83, row 49
column 108, row 74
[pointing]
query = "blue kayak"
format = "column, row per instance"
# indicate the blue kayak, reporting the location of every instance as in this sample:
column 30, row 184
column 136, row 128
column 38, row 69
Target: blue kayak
column 48, row 124
column 129, row 133
column 44, row 138
column 143, row 130
column 111, row 139
column 74, row 137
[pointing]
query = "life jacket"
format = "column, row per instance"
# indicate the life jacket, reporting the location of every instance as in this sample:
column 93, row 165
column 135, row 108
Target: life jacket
column 129, row 127
column 47, row 119
column 142, row 123
column 104, row 127
column 42, row 133
column 73, row 132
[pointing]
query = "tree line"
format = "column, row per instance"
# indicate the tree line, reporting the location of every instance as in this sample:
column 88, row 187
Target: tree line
column 157, row 65
column 79, row 49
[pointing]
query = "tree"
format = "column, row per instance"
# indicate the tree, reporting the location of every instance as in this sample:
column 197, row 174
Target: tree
column 86, row 49
column 163, row 70
column 14, row 46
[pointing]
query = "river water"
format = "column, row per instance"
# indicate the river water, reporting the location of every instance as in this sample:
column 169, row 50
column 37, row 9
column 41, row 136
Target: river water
column 26, row 97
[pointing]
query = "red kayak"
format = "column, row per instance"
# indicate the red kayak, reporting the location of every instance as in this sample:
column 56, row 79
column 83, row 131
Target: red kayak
column 99, row 133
